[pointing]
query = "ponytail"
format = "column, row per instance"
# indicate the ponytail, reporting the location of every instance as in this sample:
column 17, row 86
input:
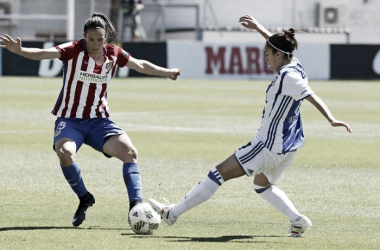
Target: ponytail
column 289, row 34
column 98, row 20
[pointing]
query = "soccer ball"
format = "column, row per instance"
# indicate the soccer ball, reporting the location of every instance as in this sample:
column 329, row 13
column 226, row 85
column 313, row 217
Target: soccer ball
column 143, row 219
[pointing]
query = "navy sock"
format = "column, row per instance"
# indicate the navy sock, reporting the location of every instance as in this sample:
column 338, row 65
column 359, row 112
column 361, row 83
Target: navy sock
column 73, row 176
column 132, row 180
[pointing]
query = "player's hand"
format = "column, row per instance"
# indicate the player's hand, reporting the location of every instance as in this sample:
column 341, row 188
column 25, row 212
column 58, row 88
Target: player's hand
column 7, row 42
column 249, row 22
column 175, row 73
column 341, row 124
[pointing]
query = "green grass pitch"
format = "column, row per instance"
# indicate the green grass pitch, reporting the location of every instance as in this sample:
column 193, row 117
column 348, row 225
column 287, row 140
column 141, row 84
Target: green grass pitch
column 183, row 129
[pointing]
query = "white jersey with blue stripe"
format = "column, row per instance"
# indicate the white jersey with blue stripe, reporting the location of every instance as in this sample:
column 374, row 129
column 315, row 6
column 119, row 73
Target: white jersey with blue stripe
column 281, row 126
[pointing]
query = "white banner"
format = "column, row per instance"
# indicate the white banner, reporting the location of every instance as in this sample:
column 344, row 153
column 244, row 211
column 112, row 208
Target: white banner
column 240, row 61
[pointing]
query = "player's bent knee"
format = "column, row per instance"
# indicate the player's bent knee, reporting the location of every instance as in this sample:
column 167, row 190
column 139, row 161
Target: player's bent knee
column 133, row 153
column 261, row 180
column 130, row 155
column 66, row 158
column 66, row 151
column 127, row 155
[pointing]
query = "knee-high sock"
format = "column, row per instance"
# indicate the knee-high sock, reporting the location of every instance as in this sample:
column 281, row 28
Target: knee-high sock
column 73, row 176
column 200, row 193
column 279, row 200
column 132, row 180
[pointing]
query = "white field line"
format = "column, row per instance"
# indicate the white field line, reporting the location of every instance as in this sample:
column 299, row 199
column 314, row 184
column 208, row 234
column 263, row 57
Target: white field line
column 311, row 132
column 130, row 127
column 27, row 131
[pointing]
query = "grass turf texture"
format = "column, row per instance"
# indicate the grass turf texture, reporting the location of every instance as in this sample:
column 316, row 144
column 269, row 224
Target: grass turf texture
column 182, row 129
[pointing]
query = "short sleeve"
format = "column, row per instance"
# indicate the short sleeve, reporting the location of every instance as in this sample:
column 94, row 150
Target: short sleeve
column 122, row 57
column 66, row 50
column 296, row 86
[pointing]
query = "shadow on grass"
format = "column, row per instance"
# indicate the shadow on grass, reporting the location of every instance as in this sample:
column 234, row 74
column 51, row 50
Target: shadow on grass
column 225, row 238
column 56, row 228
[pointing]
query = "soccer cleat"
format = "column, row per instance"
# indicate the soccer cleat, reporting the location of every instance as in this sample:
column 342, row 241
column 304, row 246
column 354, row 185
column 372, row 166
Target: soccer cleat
column 85, row 202
column 165, row 210
column 299, row 226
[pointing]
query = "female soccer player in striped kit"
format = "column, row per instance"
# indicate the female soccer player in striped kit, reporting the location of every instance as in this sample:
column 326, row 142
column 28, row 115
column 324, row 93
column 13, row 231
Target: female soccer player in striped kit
column 270, row 153
column 82, row 109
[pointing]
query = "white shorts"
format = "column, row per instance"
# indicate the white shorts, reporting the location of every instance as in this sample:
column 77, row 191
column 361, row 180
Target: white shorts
column 255, row 158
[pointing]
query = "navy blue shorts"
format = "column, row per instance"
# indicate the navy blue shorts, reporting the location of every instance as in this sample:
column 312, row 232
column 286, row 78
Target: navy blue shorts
column 93, row 132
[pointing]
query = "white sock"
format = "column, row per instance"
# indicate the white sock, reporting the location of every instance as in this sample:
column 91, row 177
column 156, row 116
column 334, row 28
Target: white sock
column 279, row 200
column 199, row 194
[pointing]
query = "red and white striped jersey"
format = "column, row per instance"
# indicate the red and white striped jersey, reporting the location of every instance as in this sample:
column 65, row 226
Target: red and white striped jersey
column 84, row 90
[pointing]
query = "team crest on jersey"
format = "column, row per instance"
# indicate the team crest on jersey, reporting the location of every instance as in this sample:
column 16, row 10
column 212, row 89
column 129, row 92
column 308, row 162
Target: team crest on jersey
column 293, row 119
column 59, row 128
column 109, row 66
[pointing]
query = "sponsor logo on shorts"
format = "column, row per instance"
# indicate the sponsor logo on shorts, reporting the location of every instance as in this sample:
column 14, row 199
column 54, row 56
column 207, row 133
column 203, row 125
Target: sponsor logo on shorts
column 59, row 128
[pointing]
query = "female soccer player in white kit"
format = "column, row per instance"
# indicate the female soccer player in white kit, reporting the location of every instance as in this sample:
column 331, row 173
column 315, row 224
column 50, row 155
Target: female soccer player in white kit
column 82, row 109
column 270, row 153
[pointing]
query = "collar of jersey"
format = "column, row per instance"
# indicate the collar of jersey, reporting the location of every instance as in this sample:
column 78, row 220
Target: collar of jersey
column 284, row 66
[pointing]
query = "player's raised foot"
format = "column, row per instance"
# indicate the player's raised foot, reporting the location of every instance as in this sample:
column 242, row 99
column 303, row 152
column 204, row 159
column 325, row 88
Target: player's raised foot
column 165, row 210
column 85, row 202
column 299, row 226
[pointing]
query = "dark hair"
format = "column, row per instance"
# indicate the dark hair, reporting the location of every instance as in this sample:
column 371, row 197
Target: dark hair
column 284, row 41
column 98, row 20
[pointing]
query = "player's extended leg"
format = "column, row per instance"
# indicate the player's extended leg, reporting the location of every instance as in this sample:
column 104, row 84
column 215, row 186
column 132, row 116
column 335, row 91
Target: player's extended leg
column 201, row 192
column 121, row 147
column 278, row 199
column 275, row 197
column 66, row 151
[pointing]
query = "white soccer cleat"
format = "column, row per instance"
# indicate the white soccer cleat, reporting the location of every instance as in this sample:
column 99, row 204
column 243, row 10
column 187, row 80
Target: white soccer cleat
column 299, row 226
column 165, row 210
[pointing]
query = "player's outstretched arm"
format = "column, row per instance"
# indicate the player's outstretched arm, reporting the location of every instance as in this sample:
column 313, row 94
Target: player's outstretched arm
column 15, row 46
column 149, row 68
column 321, row 106
column 251, row 23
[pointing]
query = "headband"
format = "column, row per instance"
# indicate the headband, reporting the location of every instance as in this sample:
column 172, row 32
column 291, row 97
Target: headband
column 288, row 53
